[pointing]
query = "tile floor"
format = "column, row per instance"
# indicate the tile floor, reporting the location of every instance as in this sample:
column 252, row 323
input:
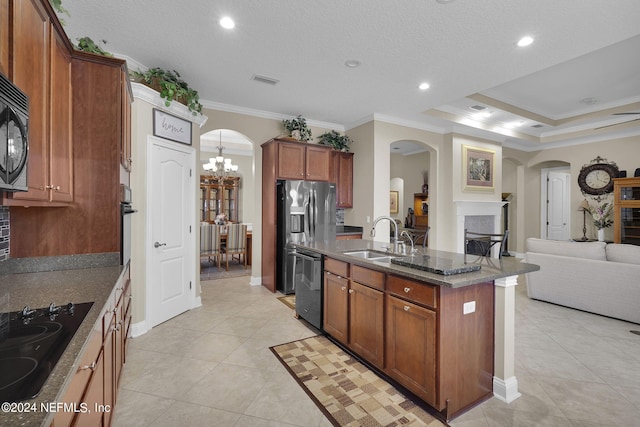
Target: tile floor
column 212, row 367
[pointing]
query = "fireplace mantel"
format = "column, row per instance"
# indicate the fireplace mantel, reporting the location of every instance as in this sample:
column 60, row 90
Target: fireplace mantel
column 466, row 208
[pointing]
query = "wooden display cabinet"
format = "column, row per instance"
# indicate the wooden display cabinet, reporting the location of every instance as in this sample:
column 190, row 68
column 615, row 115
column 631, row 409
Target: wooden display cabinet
column 421, row 209
column 626, row 211
column 218, row 197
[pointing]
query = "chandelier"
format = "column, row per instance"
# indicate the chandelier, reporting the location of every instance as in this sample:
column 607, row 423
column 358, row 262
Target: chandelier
column 218, row 166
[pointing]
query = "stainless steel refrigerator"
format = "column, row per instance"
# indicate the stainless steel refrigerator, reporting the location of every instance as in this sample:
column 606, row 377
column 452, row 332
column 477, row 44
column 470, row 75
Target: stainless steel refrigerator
column 306, row 214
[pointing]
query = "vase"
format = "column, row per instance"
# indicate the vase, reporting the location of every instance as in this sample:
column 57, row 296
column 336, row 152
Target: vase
column 601, row 235
column 296, row 134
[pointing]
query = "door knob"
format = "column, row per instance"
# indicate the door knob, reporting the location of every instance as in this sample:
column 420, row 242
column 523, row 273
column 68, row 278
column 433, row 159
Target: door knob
column 157, row 244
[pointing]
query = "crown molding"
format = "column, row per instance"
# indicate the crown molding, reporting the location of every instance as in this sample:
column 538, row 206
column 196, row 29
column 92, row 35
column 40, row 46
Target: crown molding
column 145, row 93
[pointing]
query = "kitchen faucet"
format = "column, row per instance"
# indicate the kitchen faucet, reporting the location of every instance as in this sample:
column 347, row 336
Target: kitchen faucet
column 395, row 228
column 406, row 233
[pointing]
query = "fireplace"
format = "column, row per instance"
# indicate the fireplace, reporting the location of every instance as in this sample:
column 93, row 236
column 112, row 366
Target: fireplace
column 478, row 216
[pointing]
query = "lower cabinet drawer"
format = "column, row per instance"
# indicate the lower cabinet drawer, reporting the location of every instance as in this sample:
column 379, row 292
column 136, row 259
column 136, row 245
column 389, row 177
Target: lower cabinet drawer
column 336, row 267
column 417, row 292
column 77, row 391
column 368, row 277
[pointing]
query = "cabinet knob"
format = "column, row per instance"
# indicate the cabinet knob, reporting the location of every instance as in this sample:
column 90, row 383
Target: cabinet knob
column 406, row 308
column 350, row 291
column 343, row 287
column 407, row 290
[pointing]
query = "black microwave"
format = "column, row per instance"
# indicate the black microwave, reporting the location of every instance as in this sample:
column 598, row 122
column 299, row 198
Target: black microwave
column 14, row 137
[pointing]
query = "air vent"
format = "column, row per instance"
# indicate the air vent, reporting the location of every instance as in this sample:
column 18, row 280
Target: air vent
column 537, row 126
column 265, row 79
column 478, row 107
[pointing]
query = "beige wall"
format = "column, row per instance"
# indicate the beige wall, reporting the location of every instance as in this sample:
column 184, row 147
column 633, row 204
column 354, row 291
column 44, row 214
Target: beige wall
column 408, row 170
column 625, row 152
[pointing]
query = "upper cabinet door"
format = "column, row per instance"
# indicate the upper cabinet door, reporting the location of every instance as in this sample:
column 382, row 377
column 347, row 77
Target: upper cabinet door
column 4, row 37
column 291, row 161
column 318, row 163
column 30, row 72
column 61, row 142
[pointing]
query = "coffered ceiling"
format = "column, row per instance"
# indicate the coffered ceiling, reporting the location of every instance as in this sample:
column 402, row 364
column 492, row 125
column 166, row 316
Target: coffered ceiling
column 578, row 82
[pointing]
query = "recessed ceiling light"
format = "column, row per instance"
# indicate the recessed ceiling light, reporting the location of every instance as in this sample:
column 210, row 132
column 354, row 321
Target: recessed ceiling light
column 352, row 63
column 424, row 86
column 226, row 22
column 525, row 41
column 589, row 101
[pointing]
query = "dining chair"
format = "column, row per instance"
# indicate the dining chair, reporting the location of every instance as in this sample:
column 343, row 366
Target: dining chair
column 424, row 235
column 210, row 242
column 477, row 243
column 236, row 243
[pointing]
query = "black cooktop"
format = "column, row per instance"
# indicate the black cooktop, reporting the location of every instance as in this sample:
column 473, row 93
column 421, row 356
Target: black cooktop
column 31, row 343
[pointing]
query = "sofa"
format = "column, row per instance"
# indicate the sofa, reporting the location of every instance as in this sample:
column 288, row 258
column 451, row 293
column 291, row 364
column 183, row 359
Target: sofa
column 596, row 277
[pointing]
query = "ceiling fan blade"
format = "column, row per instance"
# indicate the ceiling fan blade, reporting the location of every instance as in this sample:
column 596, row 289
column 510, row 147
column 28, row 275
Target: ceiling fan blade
column 616, row 124
column 623, row 114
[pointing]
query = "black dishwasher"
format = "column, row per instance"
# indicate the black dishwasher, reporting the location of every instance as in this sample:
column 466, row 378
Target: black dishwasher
column 307, row 272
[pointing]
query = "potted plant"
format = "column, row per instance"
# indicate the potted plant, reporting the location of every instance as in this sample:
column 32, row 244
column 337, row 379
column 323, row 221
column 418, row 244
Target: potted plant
column 171, row 87
column 86, row 44
column 297, row 128
column 335, row 140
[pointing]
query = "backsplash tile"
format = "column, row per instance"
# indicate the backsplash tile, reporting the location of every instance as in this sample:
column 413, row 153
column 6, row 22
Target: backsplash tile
column 4, row 233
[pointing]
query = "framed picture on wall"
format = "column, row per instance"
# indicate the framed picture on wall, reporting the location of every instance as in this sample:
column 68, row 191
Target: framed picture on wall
column 478, row 167
column 393, row 203
column 170, row 127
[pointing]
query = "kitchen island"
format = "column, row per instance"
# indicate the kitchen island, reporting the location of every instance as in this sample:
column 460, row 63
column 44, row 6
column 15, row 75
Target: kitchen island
column 104, row 286
column 446, row 338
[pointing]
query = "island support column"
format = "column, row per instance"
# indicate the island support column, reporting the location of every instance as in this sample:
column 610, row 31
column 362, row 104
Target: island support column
column 505, row 384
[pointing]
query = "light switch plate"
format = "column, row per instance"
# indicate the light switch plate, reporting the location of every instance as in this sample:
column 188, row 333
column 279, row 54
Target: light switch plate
column 469, row 307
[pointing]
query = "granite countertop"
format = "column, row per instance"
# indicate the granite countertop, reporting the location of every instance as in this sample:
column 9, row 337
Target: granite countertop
column 490, row 268
column 39, row 289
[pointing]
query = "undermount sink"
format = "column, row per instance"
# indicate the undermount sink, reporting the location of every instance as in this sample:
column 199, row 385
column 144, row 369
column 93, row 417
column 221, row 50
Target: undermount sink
column 372, row 255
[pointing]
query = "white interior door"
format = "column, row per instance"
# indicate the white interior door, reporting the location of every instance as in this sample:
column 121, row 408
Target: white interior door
column 171, row 280
column 558, row 227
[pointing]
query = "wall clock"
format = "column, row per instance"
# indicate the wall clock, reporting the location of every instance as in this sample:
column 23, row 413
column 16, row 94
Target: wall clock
column 596, row 178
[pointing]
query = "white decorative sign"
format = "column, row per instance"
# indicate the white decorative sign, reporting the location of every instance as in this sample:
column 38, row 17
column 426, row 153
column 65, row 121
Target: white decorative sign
column 171, row 127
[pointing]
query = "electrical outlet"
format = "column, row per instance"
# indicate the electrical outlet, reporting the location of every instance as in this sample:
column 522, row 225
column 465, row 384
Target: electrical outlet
column 468, row 307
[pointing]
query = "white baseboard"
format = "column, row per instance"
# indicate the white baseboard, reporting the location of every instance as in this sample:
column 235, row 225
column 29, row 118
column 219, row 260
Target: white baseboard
column 506, row 390
column 139, row 328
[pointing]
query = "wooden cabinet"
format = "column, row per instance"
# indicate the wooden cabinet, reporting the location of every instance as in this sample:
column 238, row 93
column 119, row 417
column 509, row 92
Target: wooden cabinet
column 336, row 303
column 342, row 175
column 626, row 211
column 217, row 197
column 421, row 209
column 61, row 136
column 4, row 37
column 285, row 160
column 410, row 344
column 97, row 377
column 295, row 160
column 366, row 322
column 421, row 335
column 354, row 312
column 41, row 67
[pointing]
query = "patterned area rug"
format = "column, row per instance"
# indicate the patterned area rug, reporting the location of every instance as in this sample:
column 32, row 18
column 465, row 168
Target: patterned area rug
column 210, row 271
column 289, row 301
column 346, row 391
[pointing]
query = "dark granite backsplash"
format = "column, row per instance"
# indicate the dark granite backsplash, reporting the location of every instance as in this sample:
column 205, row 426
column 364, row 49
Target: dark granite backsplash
column 4, row 233
column 55, row 263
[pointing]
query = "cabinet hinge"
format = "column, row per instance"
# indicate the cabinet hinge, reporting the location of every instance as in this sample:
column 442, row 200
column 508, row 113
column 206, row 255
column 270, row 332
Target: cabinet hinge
column 190, row 173
column 189, row 229
column 189, row 284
